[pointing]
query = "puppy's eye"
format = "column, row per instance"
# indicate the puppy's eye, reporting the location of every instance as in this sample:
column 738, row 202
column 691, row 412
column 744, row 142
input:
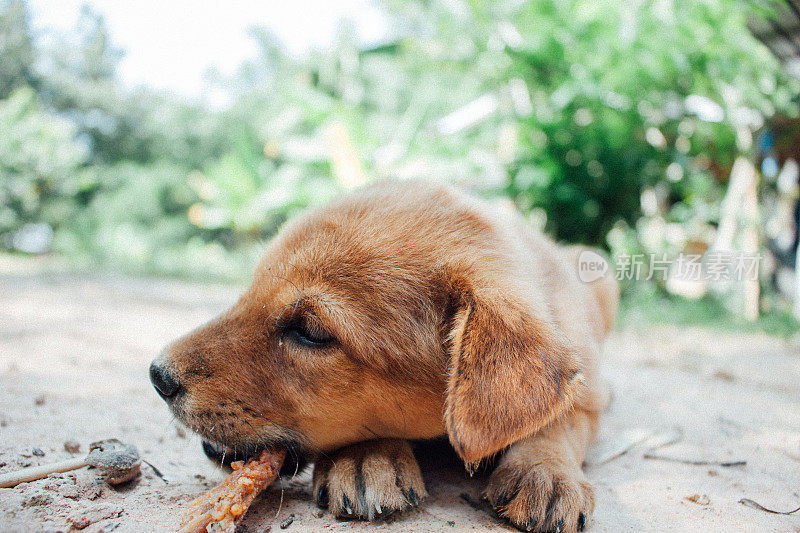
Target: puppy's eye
column 308, row 333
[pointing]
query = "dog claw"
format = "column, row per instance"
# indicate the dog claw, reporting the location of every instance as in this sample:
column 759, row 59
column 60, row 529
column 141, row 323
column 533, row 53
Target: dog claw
column 560, row 526
column 322, row 497
column 412, row 497
column 530, row 525
column 581, row 522
column 378, row 508
column 347, row 505
column 501, row 502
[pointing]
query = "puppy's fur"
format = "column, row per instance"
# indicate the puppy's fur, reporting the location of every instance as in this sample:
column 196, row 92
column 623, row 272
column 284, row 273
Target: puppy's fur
column 408, row 310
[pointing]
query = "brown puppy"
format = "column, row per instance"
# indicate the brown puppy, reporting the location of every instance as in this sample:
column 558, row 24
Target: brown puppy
column 407, row 310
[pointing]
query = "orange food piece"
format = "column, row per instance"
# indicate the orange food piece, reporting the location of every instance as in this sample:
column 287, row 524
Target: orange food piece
column 222, row 507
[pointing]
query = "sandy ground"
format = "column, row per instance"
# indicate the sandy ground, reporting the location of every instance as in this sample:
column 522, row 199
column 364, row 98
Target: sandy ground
column 73, row 367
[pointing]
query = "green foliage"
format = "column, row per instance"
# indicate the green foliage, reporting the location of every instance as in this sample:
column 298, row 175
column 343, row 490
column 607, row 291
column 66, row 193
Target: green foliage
column 574, row 109
column 601, row 98
column 41, row 174
column 16, row 47
column 644, row 306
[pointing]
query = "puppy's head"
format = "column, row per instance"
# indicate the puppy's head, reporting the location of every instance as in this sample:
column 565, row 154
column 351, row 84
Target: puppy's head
column 360, row 321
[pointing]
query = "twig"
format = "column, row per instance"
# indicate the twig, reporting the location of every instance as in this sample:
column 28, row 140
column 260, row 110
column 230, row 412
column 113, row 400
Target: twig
column 632, row 439
column 694, row 462
column 478, row 506
column 750, row 503
column 156, row 471
column 667, row 439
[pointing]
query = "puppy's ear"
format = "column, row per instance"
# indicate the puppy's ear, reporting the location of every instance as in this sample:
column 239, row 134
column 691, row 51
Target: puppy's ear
column 510, row 375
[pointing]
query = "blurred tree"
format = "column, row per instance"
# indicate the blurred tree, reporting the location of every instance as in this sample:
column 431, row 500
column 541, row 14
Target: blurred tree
column 610, row 123
column 16, row 48
column 41, row 179
column 585, row 104
column 78, row 80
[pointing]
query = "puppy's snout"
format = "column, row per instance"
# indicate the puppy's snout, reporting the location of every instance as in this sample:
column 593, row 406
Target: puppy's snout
column 166, row 384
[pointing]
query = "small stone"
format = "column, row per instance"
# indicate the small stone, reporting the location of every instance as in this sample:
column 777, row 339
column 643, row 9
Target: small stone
column 180, row 432
column 82, row 519
column 94, row 492
column 24, row 463
column 39, row 400
column 38, row 452
column 288, row 522
column 72, row 446
column 698, row 499
column 36, row 500
column 69, row 491
column 51, row 484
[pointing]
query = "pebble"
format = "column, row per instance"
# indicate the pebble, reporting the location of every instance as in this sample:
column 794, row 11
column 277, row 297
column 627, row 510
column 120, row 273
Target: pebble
column 94, row 492
column 84, row 518
column 38, row 452
column 72, row 446
column 69, row 491
column 288, row 522
column 37, row 500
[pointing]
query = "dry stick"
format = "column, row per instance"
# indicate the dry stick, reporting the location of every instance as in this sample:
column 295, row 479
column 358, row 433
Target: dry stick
column 651, row 440
column 116, row 461
column 156, row 471
column 693, row 462
column 750, row 503
column 672, row 439
column 478, row 506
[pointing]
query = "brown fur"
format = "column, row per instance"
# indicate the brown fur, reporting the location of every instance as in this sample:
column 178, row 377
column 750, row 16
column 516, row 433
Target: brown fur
column 450, row 316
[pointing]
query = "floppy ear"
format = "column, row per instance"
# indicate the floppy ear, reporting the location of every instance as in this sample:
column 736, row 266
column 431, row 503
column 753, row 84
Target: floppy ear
column 510, row 375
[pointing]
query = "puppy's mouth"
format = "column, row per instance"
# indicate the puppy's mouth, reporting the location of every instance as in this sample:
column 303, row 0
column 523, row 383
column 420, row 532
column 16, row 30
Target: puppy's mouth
column 295, row 462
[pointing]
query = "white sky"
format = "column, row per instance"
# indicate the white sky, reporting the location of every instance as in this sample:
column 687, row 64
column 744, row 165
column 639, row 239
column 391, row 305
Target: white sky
column 169, row 44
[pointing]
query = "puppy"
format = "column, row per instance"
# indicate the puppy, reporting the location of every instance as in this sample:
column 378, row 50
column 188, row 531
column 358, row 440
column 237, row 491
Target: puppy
column 407, row 310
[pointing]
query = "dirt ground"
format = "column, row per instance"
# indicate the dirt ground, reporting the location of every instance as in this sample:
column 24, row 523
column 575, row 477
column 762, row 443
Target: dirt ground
column 74, row 353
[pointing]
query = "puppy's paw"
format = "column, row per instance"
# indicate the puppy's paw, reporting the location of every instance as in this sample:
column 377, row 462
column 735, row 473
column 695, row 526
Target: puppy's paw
column 541, row 496
column 369, row 480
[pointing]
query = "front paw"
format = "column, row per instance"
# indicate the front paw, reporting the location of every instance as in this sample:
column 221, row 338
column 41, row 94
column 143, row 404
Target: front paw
column 369, row 480
column 543, row 496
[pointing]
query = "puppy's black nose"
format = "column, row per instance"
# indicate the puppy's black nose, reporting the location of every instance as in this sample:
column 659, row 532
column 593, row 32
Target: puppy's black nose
column 166, row 385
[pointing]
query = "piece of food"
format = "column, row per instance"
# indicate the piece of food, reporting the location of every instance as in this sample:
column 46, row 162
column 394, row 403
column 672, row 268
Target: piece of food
column 222, row 507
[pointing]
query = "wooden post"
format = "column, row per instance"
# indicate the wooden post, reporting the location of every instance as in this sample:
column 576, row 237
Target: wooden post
column 740, row 209
column 750, row 247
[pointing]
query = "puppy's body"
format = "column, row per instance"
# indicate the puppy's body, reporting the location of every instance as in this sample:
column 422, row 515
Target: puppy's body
column 408, row 310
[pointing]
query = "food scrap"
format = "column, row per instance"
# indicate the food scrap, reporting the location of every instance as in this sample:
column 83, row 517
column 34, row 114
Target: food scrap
column 222, row 507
